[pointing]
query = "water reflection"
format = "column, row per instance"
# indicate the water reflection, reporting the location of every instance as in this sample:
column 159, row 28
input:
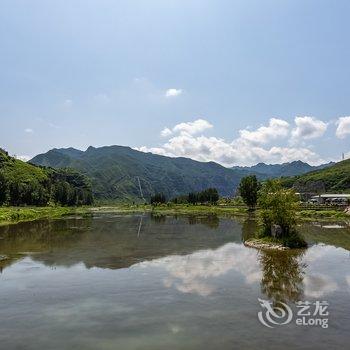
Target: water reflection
column 195, row 252
column 198, row 272
column 211, row 221
column 282, row 275
column 158, row 218
column 137, row 282
column 249, row 228
column 336, row 234
column 112, row 241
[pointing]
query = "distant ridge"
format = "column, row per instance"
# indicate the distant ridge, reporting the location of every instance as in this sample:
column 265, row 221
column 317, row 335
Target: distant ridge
column 285, row 169
column 335, row 178
column 114, row 172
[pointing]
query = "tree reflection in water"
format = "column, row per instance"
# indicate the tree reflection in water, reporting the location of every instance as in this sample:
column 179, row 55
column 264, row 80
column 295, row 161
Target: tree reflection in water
column 282, row 274
column 282, row 270
column 211, row 221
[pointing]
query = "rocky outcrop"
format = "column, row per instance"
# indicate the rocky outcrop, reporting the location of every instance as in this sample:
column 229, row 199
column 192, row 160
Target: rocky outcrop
column 259, row 244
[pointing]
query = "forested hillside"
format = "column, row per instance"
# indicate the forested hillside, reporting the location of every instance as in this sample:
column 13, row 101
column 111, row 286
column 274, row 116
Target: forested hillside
column 118, row 172
column 26, row 184
column 115, row 172
column 285, row 169
column 334, row 178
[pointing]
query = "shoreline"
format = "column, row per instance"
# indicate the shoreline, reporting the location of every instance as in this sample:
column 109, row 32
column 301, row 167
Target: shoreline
column 14, row 215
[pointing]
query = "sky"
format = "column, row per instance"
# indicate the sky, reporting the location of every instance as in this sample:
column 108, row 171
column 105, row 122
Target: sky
column 232, row 81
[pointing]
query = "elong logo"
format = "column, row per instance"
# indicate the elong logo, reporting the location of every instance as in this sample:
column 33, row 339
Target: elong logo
column 272, row 316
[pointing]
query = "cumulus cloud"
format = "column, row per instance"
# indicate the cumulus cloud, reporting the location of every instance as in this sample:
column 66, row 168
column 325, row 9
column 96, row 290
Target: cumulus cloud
column 192, row 128
column 249, row 148
column 343, row 127
column 173, row 92
column 276, row 128
column 166, row 132
column 308, row 128
column 28, row 130
column 189, row 128
column 195, row 273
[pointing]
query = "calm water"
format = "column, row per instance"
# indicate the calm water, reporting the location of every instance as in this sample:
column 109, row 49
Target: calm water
column 143, row 282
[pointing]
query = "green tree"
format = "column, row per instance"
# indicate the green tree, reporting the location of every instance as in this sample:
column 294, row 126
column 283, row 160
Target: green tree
column 210, row 195
column 193, row 198
column 158, row 198
column 4, row 188
column 278, row 207
column 248, row 189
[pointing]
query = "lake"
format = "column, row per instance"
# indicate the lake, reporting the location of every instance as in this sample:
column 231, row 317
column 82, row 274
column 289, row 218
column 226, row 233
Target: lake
column 155, row 282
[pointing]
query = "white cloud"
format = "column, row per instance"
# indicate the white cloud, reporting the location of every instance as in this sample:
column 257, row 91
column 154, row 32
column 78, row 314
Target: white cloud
column 28, row 130
column 166, row 132
column 192, row 128
column 308, row 128
column 277, row 128
column 189, row 128
column 343, row 127
column 24, row 158
column 173, row 92
column 318, row 285
column 195, row 273
column 247, row 149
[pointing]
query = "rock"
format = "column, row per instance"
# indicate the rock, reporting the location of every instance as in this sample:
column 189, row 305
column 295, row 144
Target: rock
column 3, row 257
column 276, row 231
column 263, row 245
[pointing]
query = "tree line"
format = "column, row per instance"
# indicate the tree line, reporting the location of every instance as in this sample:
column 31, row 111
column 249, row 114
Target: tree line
column 209, row 195
column 25, row 184
column 63, row 187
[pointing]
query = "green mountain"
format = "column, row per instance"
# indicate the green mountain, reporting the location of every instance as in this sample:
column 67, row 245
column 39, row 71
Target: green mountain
column 333, row 178
column 115, row 172
column 27, row 184
column 285, row 169
column 118, row 172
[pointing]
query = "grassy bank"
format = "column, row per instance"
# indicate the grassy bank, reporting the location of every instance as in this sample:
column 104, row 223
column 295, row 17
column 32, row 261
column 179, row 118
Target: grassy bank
column 10, row 215
column 185, row 209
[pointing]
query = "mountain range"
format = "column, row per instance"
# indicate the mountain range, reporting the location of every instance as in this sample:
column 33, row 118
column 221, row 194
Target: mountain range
column 285, row 169
column 335, row 178
column 122, row 173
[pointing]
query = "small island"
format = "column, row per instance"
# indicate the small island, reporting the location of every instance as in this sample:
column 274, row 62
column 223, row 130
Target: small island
column 277, row 216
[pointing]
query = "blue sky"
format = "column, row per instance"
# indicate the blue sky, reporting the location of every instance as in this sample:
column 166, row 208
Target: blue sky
column 247, row 81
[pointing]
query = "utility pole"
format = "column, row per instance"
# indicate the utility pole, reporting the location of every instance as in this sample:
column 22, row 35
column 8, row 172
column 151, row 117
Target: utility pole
column 138, row 179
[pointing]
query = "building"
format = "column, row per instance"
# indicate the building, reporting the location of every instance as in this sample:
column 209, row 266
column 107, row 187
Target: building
column 331, row 198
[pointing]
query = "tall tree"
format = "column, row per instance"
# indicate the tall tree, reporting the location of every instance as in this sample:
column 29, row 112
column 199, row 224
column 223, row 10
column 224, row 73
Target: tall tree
column 278, row 207
column 3, row 188
column 158, row 198
column 248, row 188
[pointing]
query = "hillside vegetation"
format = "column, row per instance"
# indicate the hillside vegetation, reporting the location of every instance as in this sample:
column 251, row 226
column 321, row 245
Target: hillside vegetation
column 26, row 184
column 334, row 178
column 285, row 169
column 115, row 171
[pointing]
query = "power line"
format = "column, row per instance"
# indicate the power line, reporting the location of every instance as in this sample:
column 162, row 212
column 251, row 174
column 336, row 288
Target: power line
column 138, row 179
